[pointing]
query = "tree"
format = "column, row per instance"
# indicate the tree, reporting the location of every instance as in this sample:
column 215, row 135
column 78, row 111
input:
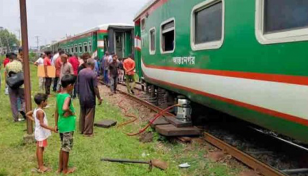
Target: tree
column 8, row 40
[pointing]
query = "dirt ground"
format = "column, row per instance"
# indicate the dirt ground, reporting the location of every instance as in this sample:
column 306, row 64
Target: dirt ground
column 144, row 114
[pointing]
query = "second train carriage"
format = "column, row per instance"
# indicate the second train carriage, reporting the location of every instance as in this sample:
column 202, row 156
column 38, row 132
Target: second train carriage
column 247, row 58
column 114, row 38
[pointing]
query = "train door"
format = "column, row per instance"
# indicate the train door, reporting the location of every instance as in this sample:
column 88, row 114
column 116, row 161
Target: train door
column 106, row 42
column 119, row 44
column 128, row 44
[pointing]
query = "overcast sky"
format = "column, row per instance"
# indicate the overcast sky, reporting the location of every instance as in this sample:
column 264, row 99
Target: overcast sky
column 53, row 19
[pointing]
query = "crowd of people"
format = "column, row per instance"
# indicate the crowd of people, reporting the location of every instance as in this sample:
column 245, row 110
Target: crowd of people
column 114, row 69
column 72, row 77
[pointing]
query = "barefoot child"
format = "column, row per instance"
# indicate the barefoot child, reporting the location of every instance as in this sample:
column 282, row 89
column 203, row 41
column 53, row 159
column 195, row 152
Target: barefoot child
column 42, row 130
column 65, row 122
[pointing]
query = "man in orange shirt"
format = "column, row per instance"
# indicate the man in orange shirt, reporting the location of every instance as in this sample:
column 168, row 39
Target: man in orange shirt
column 48, row 80
column 129, row 67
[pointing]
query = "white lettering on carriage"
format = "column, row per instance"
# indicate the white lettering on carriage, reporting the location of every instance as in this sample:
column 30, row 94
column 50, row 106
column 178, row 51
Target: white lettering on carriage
column 184, row 60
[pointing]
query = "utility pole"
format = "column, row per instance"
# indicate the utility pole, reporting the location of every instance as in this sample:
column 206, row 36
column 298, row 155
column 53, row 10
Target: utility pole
column 37, row 43
column 29, row 138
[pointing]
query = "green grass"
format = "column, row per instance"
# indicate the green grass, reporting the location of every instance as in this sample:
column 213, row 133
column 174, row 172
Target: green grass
column 19, row 159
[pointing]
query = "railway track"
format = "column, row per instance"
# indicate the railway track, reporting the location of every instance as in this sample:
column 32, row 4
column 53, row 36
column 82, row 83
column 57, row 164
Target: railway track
column 244, row 157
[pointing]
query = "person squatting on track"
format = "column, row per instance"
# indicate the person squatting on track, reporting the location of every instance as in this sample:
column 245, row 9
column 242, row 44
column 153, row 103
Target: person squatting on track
column 15, row 94
column 42, row 131
column 65, row 120
column 113, row 74
column 87, row 84
column 129, row 67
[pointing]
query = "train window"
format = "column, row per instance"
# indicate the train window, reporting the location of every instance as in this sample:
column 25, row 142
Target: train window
column 143, row 24
column 85, row 45
column 90, row 46
column 207, row 30
column 167, row 36
column 282, row 15
column 76, row 49
column 280, row 21
column 152, row 41
column 80, row 48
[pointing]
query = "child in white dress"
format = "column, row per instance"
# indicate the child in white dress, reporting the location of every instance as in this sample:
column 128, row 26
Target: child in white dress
column 42, row 130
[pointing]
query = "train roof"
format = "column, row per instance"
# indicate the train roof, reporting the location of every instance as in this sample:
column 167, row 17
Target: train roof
column 105, row 27
column 97, row 28
column 145, row 8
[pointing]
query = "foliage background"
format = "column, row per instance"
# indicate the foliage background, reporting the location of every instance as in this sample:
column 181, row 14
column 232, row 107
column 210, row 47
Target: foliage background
column 8, row 39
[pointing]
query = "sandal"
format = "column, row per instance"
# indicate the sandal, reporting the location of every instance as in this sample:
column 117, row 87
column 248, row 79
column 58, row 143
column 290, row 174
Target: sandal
column 44, row 171
column 70, row 171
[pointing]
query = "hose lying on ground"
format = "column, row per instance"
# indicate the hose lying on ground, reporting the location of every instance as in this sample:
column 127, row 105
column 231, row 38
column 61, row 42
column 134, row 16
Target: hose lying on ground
column 158, row 115
column 134, row 118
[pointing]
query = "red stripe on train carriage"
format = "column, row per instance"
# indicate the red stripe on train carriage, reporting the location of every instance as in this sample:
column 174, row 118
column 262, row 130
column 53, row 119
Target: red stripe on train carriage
column 137, row 23
column 238, row 103
column 102, row 31
column 299, row 80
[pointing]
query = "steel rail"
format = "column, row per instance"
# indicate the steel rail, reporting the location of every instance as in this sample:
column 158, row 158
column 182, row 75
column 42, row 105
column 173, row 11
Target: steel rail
column 248, row 160
column 143, row 102
column 137, row 88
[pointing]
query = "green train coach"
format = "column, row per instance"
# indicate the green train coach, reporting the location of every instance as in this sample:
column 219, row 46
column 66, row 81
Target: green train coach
column 247, row 58
column 115, row 38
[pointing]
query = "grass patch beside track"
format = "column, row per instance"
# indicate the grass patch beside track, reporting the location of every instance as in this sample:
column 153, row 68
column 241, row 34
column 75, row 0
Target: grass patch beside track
column 19, row 159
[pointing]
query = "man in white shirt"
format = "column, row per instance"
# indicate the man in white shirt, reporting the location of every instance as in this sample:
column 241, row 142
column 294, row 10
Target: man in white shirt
column 55, row 57
column 40, row 62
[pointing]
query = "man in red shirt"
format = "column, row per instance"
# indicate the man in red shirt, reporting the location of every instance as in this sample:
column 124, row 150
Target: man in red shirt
column 75, row 64
column 129, row 67
column 48, row 80
column 6, row 61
